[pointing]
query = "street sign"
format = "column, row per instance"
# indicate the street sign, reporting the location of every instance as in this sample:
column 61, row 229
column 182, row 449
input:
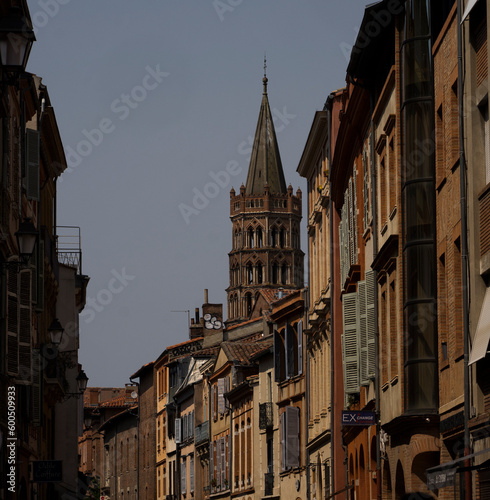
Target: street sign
column 441, row 478
column 47, row 471
column 364, row 418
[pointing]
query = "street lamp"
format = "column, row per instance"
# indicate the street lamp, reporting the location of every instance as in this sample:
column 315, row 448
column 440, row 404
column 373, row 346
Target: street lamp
column 56, row 332
column 16, row 39
column 82, row 381
column 26, row 240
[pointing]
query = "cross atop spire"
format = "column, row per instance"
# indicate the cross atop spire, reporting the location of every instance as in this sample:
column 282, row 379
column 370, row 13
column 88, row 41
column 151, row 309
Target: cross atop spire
column 265, row 80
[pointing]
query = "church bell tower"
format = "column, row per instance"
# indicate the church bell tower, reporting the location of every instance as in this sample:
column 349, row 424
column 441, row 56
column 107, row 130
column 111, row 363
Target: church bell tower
column 265, row 216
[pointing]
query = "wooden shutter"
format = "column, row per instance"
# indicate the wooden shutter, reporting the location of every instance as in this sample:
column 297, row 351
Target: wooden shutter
column 12, row 322
column 300, row 346
column 218, row 461
column 227, row 459
column 191, row 473
column 277, row 356
column 40, row 277
column 290, row 348
column 221, row 397
column 292, row 437
column 37, row 392
column 350, row 314
column 223, row 462
column 283, row 441
column 183, row 477
column 178, row 430
column 371, row 291
column 32, row 156
column 363, row 347
column 212, row 460
column 25, row 327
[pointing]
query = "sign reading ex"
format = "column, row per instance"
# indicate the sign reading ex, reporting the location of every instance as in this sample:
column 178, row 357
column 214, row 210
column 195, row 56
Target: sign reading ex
column 358, row 418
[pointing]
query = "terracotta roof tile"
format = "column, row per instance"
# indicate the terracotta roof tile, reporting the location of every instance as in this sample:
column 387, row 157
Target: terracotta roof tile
column 242, row 352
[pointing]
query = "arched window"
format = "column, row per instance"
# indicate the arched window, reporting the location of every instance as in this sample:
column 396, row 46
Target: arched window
column 284, row 274
column 251, row 238
column 282, row 238
column 259, row 237
column 275, row 273
column 259, row 273
column 273, row 237
column 248, row 304
column 250, row 273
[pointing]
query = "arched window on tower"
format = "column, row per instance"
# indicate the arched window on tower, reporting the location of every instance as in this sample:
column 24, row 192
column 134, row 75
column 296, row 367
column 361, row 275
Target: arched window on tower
column 260, row 276
column 273, row 237
column 282, row 238
column 259, row 237
column 284, row 274
column 250, row 273
column 275, row 273
column 250, row 238
column 248, row 304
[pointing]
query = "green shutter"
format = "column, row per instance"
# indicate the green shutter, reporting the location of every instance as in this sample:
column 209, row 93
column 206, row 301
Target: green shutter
column 32, row 163
column 371, row 291
column 351, row 324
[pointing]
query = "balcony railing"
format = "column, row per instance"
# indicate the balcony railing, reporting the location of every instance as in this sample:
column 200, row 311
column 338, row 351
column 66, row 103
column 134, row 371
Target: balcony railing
column 69, row 247
column 265, row 416
column 269, row 484
column 201, row 433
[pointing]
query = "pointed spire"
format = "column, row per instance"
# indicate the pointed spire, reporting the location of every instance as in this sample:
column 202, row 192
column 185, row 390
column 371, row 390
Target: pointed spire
column 265, row 162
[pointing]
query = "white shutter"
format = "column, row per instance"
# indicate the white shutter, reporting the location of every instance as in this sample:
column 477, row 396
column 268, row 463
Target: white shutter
column 363, row 346
column 178, row 430
column 371, row 291
column 300, row 347
column 350, row 313
column 32, row 156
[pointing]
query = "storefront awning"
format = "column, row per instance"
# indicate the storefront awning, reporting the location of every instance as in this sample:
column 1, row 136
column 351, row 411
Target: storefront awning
column 482, row 334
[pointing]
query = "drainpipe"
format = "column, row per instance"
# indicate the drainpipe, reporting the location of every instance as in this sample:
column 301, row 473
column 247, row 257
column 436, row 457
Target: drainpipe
column 464, row 257
column 328, row 105
column 137, row 441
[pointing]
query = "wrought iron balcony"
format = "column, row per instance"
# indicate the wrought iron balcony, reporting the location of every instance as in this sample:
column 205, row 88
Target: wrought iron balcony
column 265, row 416
column 269, row 484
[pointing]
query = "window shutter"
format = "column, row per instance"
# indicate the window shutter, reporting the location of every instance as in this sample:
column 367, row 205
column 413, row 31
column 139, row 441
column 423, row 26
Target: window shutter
column 300, row 347
column 371, row 291
column 40, row 277
column 214, row 402
column 212, row 460
column 227, row 459
column 178, row 430
column 183, row 477
column 223, row 462
column 277, row 356
column 25, row 328
column 221, row 397
column 12, row 322
column 184, row 428
column 350, row 313
column 363, row 347
column 32, row 156
column 287, row 351
column 218, row 461
column 191, row 473
column 37, row 399
column 292, row 437
column 283, row 441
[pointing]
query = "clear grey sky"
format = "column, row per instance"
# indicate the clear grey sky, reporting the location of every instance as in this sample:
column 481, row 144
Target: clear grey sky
column 152, row 99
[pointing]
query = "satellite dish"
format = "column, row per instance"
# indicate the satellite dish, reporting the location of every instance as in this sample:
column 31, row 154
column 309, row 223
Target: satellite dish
column 134, row 394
